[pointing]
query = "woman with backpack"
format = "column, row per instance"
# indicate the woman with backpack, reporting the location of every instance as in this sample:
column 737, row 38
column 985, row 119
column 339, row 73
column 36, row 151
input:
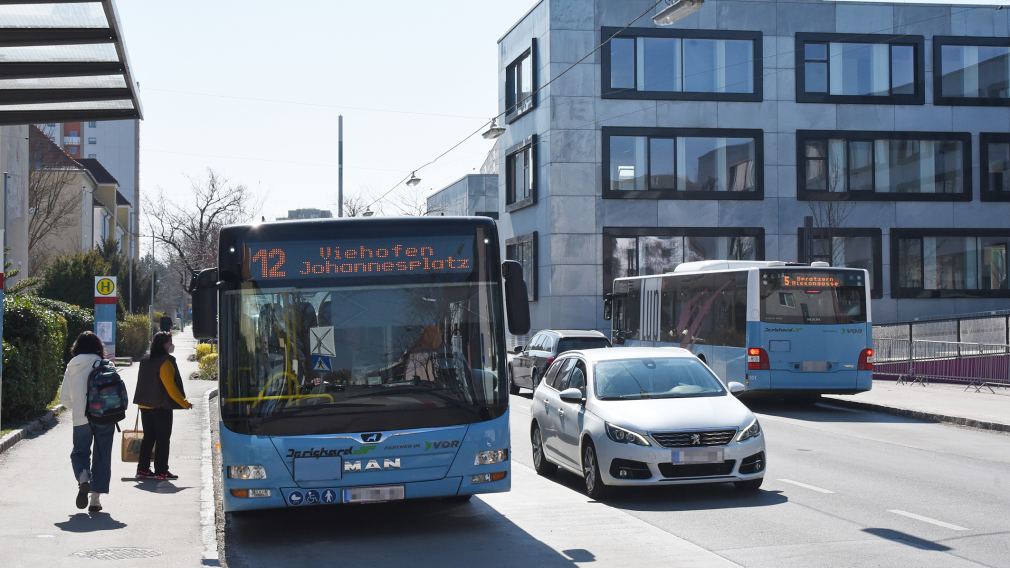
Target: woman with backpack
column 92, row 454
column 159, row 393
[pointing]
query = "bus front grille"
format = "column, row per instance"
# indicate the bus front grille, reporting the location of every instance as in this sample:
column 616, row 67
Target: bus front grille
column 689, row 439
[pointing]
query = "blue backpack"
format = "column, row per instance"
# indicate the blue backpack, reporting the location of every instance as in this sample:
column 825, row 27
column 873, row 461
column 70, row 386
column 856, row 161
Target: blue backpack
column 107, row 396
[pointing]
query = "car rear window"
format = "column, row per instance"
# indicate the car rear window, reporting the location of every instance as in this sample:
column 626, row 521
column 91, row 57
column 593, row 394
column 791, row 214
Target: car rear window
column 572, row 343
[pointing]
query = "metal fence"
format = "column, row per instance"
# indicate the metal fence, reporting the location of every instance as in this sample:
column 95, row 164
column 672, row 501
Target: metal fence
column 920, row 361
column 991, row 328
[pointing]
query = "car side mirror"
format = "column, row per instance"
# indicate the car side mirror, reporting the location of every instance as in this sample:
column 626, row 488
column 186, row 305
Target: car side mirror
column 736, row 388
column 608, row 307
column 518, row 349
column 572, row 395
column 203, row 289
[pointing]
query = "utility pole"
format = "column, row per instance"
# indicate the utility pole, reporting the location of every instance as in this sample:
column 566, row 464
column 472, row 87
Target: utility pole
column 340, row 165
column 3, row 252
column 150, row 308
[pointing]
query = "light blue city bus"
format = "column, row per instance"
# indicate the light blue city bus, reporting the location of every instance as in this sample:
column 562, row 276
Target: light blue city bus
column 784, row 328
column 361, row 360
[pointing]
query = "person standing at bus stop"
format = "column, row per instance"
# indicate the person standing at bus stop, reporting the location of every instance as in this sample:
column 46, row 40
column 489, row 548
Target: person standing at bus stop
column 159, row 393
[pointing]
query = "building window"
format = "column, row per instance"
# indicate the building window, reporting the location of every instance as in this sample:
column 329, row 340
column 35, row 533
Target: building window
column 995, row 154
column 885, row 166
column 92, row 124
column 520, row 82
column 949, row 263
column 523, row 249
column 850, row 248
column 92, row 156
column 842, row 68
column 521, row 175
column 644, row 251
column 74, row 150
column 646, row 63
column 92, row 140
column 971, row 71
column 679, row 163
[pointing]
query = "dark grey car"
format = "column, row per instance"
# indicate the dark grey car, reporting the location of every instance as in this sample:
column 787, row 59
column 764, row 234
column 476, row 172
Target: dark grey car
column 530, row 362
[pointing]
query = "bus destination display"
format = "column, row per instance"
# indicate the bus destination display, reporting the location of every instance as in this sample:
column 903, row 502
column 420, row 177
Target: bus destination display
column 336, row 258
column 814, row 280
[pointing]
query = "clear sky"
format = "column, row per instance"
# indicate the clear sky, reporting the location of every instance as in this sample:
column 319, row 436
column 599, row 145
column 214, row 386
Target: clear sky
column 253, row 88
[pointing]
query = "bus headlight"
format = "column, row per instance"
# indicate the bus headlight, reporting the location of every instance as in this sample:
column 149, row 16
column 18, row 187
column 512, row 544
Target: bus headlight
column 753, row 430
column 620, row 435
column 490, row 457
column 247, row 472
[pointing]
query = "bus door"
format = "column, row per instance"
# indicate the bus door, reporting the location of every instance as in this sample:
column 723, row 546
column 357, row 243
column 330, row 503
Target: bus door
column 650, row 309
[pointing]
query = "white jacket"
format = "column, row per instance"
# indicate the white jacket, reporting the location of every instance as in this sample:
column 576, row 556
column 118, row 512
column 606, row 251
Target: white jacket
column 74, row 391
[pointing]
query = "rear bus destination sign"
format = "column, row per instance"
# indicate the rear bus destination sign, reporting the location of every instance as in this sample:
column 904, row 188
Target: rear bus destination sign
column 335, row 258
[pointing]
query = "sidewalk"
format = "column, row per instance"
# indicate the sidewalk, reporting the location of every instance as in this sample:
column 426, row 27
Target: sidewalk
column 154, row 523
column 936, row 401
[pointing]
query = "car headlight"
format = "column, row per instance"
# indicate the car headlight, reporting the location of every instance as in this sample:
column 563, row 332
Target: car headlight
column 247, row 472
column 622, row 436
column 753, row 430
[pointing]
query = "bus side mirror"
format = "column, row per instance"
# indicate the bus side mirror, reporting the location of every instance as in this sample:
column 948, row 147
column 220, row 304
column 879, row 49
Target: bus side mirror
column 608, row 306
column 203, row 289
column 517, row 305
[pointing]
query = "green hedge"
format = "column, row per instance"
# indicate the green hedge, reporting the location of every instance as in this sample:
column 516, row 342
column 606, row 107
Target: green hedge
column 133, row 336
column 78, row 320
column 34, row 339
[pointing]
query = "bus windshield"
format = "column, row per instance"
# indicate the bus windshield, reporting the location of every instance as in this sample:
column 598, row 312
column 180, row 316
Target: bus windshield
column 813, row 297
column 329, row 360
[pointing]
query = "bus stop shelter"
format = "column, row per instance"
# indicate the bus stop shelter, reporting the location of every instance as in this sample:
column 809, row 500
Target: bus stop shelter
column 61, row 60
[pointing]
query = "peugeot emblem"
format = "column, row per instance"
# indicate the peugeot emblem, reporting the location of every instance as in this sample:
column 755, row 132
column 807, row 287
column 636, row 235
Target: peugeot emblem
column 695, row 439
column 371, row 438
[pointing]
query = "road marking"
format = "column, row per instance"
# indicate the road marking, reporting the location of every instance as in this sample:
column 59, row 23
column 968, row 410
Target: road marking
column 927, row 520
column 805, row 486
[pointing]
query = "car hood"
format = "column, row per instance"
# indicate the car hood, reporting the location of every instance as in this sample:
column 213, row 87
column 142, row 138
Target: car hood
column 674, row 414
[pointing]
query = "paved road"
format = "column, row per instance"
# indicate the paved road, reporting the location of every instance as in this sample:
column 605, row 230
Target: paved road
column 844, row 488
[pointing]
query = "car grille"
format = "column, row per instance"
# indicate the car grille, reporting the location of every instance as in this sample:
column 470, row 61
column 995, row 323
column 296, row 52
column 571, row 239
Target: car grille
column 688, row 439
column 670, row 470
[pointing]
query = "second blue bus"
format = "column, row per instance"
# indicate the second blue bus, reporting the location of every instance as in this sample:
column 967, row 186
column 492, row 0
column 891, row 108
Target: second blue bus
column 789, row 329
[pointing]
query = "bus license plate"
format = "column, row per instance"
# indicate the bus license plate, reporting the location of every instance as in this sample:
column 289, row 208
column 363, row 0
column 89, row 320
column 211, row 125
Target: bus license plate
column 697, row 455
column 814, row 366
column 373, row 494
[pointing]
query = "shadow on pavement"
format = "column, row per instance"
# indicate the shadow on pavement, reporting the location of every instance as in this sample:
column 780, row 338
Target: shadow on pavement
column 159, row 487
column 824, row 411
column 907, row 539
column 700, row 497
column 415, row 533
column 94, row 522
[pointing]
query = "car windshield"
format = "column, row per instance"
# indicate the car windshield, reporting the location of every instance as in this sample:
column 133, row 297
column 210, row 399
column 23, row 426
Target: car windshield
column 669, row 377
column 578, row 343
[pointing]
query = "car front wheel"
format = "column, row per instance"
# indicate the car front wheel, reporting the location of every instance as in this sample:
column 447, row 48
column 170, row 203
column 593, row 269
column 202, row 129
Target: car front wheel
column 595, row 488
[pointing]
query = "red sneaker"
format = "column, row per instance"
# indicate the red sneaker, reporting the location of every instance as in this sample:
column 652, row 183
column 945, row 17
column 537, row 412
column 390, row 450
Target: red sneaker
column 170, row 475
column 145, row 474
column 159, row 477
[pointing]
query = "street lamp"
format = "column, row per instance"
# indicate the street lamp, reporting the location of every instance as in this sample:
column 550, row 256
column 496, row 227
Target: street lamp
column 494, row 130
column 367, row 213
column 414, row 180
column 676, row 10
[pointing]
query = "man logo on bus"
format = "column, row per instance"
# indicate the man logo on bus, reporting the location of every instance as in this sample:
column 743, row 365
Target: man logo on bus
column 695, row 439
column 372, row 465
column 371, row 438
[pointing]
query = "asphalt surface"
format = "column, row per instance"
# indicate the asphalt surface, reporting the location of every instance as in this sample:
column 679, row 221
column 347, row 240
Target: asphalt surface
column 843, row 488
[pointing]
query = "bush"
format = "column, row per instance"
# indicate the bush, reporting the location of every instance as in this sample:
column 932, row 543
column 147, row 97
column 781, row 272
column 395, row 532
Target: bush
column 203, row 350
column 34, row 339
column 71, row 278
column 133, row 336
column 78, row 320
column 208, row 367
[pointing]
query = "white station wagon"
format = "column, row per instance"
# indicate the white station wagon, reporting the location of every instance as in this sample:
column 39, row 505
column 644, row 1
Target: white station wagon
column 643, row 416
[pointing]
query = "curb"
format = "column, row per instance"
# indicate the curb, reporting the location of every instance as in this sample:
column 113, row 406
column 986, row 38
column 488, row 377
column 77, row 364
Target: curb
column 42, row 423
column 208, row 506
column 922, row 415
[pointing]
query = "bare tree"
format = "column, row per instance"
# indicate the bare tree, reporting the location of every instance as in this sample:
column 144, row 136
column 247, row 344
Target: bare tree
column 356, row 207
column 829, row 215
column 190, row 232
column 51, row 202
column 414, row 204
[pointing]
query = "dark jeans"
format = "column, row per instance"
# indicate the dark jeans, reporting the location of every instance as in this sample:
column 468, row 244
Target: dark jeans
column 157, row 433
column 98, row 464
